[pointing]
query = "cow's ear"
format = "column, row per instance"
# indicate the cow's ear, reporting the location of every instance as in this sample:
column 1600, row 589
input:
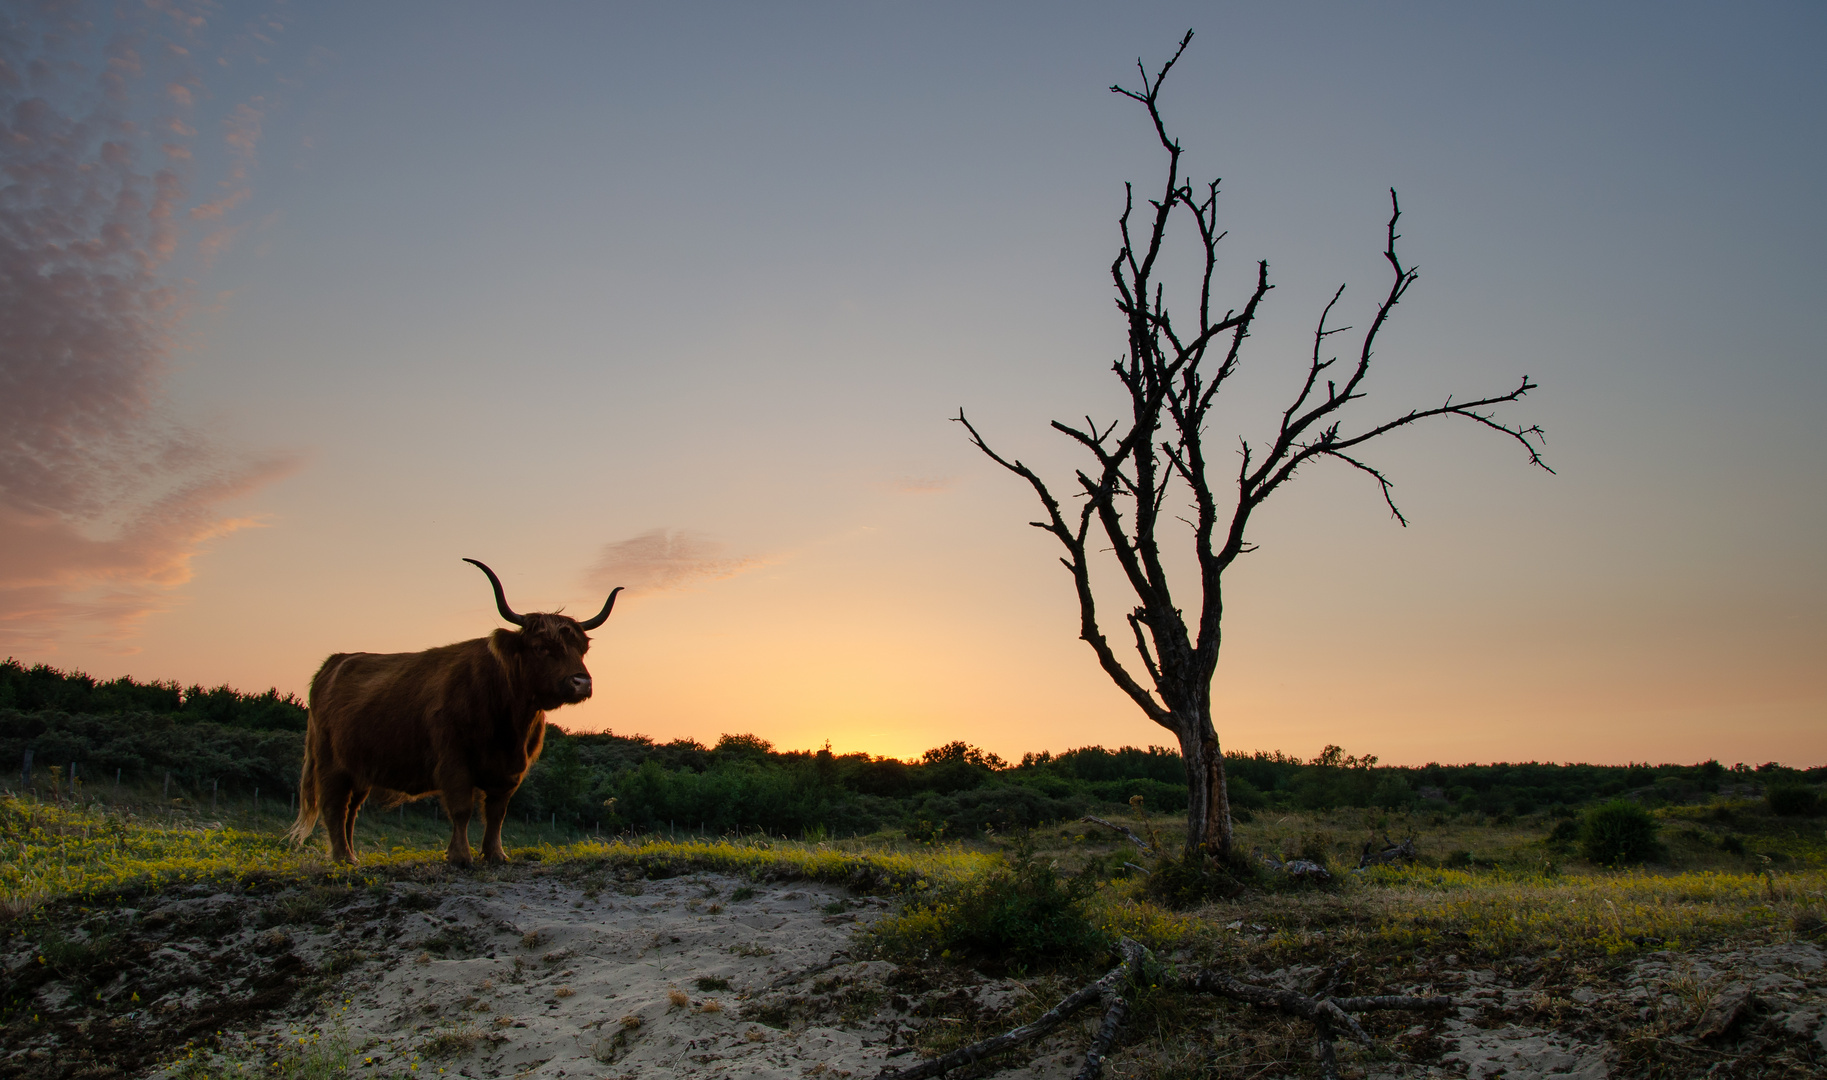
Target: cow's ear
column 505, row 644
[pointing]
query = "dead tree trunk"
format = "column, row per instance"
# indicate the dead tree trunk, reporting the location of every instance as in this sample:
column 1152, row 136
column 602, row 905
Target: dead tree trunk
column 1156, row 449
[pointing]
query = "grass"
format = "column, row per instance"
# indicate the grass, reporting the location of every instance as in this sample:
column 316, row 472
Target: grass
column 92, row 852
column 1520, row 893
column 1492, row 893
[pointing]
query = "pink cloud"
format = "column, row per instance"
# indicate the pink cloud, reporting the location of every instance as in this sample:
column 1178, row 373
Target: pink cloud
column 105, row 496
column 663, row 560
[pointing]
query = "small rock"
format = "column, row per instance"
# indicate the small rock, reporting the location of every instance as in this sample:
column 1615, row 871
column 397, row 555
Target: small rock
column 1727, row 1009
column 1584, row 995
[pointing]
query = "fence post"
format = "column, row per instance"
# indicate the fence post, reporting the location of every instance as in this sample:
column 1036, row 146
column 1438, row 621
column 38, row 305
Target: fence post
column 25, row 771
column 167, row 783
column 117, row 781
column 213, row 785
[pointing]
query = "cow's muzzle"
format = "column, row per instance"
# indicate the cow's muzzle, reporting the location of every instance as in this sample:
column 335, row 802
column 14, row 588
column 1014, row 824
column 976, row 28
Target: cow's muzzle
column 579, row 685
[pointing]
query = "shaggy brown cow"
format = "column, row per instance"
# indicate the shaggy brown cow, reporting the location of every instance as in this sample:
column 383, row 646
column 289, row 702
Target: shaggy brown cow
column 461, row 721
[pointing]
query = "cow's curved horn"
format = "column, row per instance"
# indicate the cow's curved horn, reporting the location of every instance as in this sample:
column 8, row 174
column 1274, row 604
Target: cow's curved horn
column 501, row 597
column 591, row 624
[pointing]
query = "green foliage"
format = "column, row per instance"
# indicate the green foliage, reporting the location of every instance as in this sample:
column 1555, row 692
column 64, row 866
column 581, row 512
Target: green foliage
column 1618, row 832
column 1392, row 793
column 42, row 688
column 618, row 783
column 145, row 746
column 1024, row 913
column 1792, row 800
column 1245, row 795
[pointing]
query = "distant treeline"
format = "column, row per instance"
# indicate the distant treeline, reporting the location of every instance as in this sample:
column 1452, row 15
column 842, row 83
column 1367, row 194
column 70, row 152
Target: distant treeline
column 619, row 782
column 957, row 789
column 41, row 688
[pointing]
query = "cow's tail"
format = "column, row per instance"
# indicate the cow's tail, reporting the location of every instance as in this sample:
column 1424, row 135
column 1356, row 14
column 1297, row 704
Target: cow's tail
column 308, row 810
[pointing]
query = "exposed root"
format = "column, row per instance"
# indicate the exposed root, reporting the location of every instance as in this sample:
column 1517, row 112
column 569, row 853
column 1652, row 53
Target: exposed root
column 1329, row 1016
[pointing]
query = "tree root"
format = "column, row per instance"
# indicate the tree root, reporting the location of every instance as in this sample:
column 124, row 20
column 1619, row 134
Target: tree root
column 1328, row 1015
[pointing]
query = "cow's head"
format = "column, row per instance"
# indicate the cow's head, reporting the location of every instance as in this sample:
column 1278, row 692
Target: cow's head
column 548, row 650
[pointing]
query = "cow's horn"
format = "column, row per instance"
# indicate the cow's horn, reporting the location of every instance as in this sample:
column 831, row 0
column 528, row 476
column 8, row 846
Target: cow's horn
column 591, row 624
column 501, row 597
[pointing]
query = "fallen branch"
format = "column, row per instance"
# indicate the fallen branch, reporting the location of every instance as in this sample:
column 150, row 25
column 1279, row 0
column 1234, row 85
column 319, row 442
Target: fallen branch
column 1325, row 1013
column 1116, row 1009
column 1107, row 986
column 1147, row 848
column 1392, row 852
column 1328, row 1015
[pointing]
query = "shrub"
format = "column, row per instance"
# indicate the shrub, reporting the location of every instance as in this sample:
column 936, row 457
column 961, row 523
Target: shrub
column 1618, row 832
column 1792, row 800
column 1392, row 793
column 1244, row 795
column 1185, row 883
column 1023, row 914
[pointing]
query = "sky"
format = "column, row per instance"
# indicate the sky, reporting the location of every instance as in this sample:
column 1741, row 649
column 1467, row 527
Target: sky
column 301, row 304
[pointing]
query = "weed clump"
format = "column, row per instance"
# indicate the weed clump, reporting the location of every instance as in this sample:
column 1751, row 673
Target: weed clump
column 1025, row 913
column 1181, row 883
column 1618, row 832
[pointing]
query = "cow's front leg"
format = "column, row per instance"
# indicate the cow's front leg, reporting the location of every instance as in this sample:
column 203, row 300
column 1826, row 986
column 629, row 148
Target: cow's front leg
column 459, row 803
column 494, row 810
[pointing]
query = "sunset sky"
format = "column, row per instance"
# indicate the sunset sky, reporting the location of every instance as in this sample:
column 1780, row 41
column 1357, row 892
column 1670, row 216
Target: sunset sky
column 300, row 304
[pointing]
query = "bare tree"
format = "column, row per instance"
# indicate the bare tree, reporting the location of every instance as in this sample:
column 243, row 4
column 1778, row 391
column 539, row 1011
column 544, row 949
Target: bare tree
column 1173, row 373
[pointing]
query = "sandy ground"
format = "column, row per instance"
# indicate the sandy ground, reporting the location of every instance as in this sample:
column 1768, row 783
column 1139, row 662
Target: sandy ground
column 704, row 975
column 673, row 978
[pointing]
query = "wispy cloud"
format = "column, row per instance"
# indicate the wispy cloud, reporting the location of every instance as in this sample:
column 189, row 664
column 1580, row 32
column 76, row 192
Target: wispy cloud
column 915, row 484
column 105, row 496
column 662, row 560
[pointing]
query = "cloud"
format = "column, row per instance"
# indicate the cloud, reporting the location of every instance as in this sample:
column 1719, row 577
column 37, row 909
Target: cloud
column 663, row 561
column 919, row 485
column 105, row 496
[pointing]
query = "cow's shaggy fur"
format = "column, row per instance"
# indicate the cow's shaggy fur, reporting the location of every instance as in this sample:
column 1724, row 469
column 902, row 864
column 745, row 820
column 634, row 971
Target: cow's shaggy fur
column 464, row 722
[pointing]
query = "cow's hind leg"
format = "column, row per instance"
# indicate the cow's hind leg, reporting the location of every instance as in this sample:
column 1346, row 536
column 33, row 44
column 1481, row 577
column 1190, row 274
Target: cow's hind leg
column 494, row 811
column 356, row 799
column 339, row 803
column 459, row 803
